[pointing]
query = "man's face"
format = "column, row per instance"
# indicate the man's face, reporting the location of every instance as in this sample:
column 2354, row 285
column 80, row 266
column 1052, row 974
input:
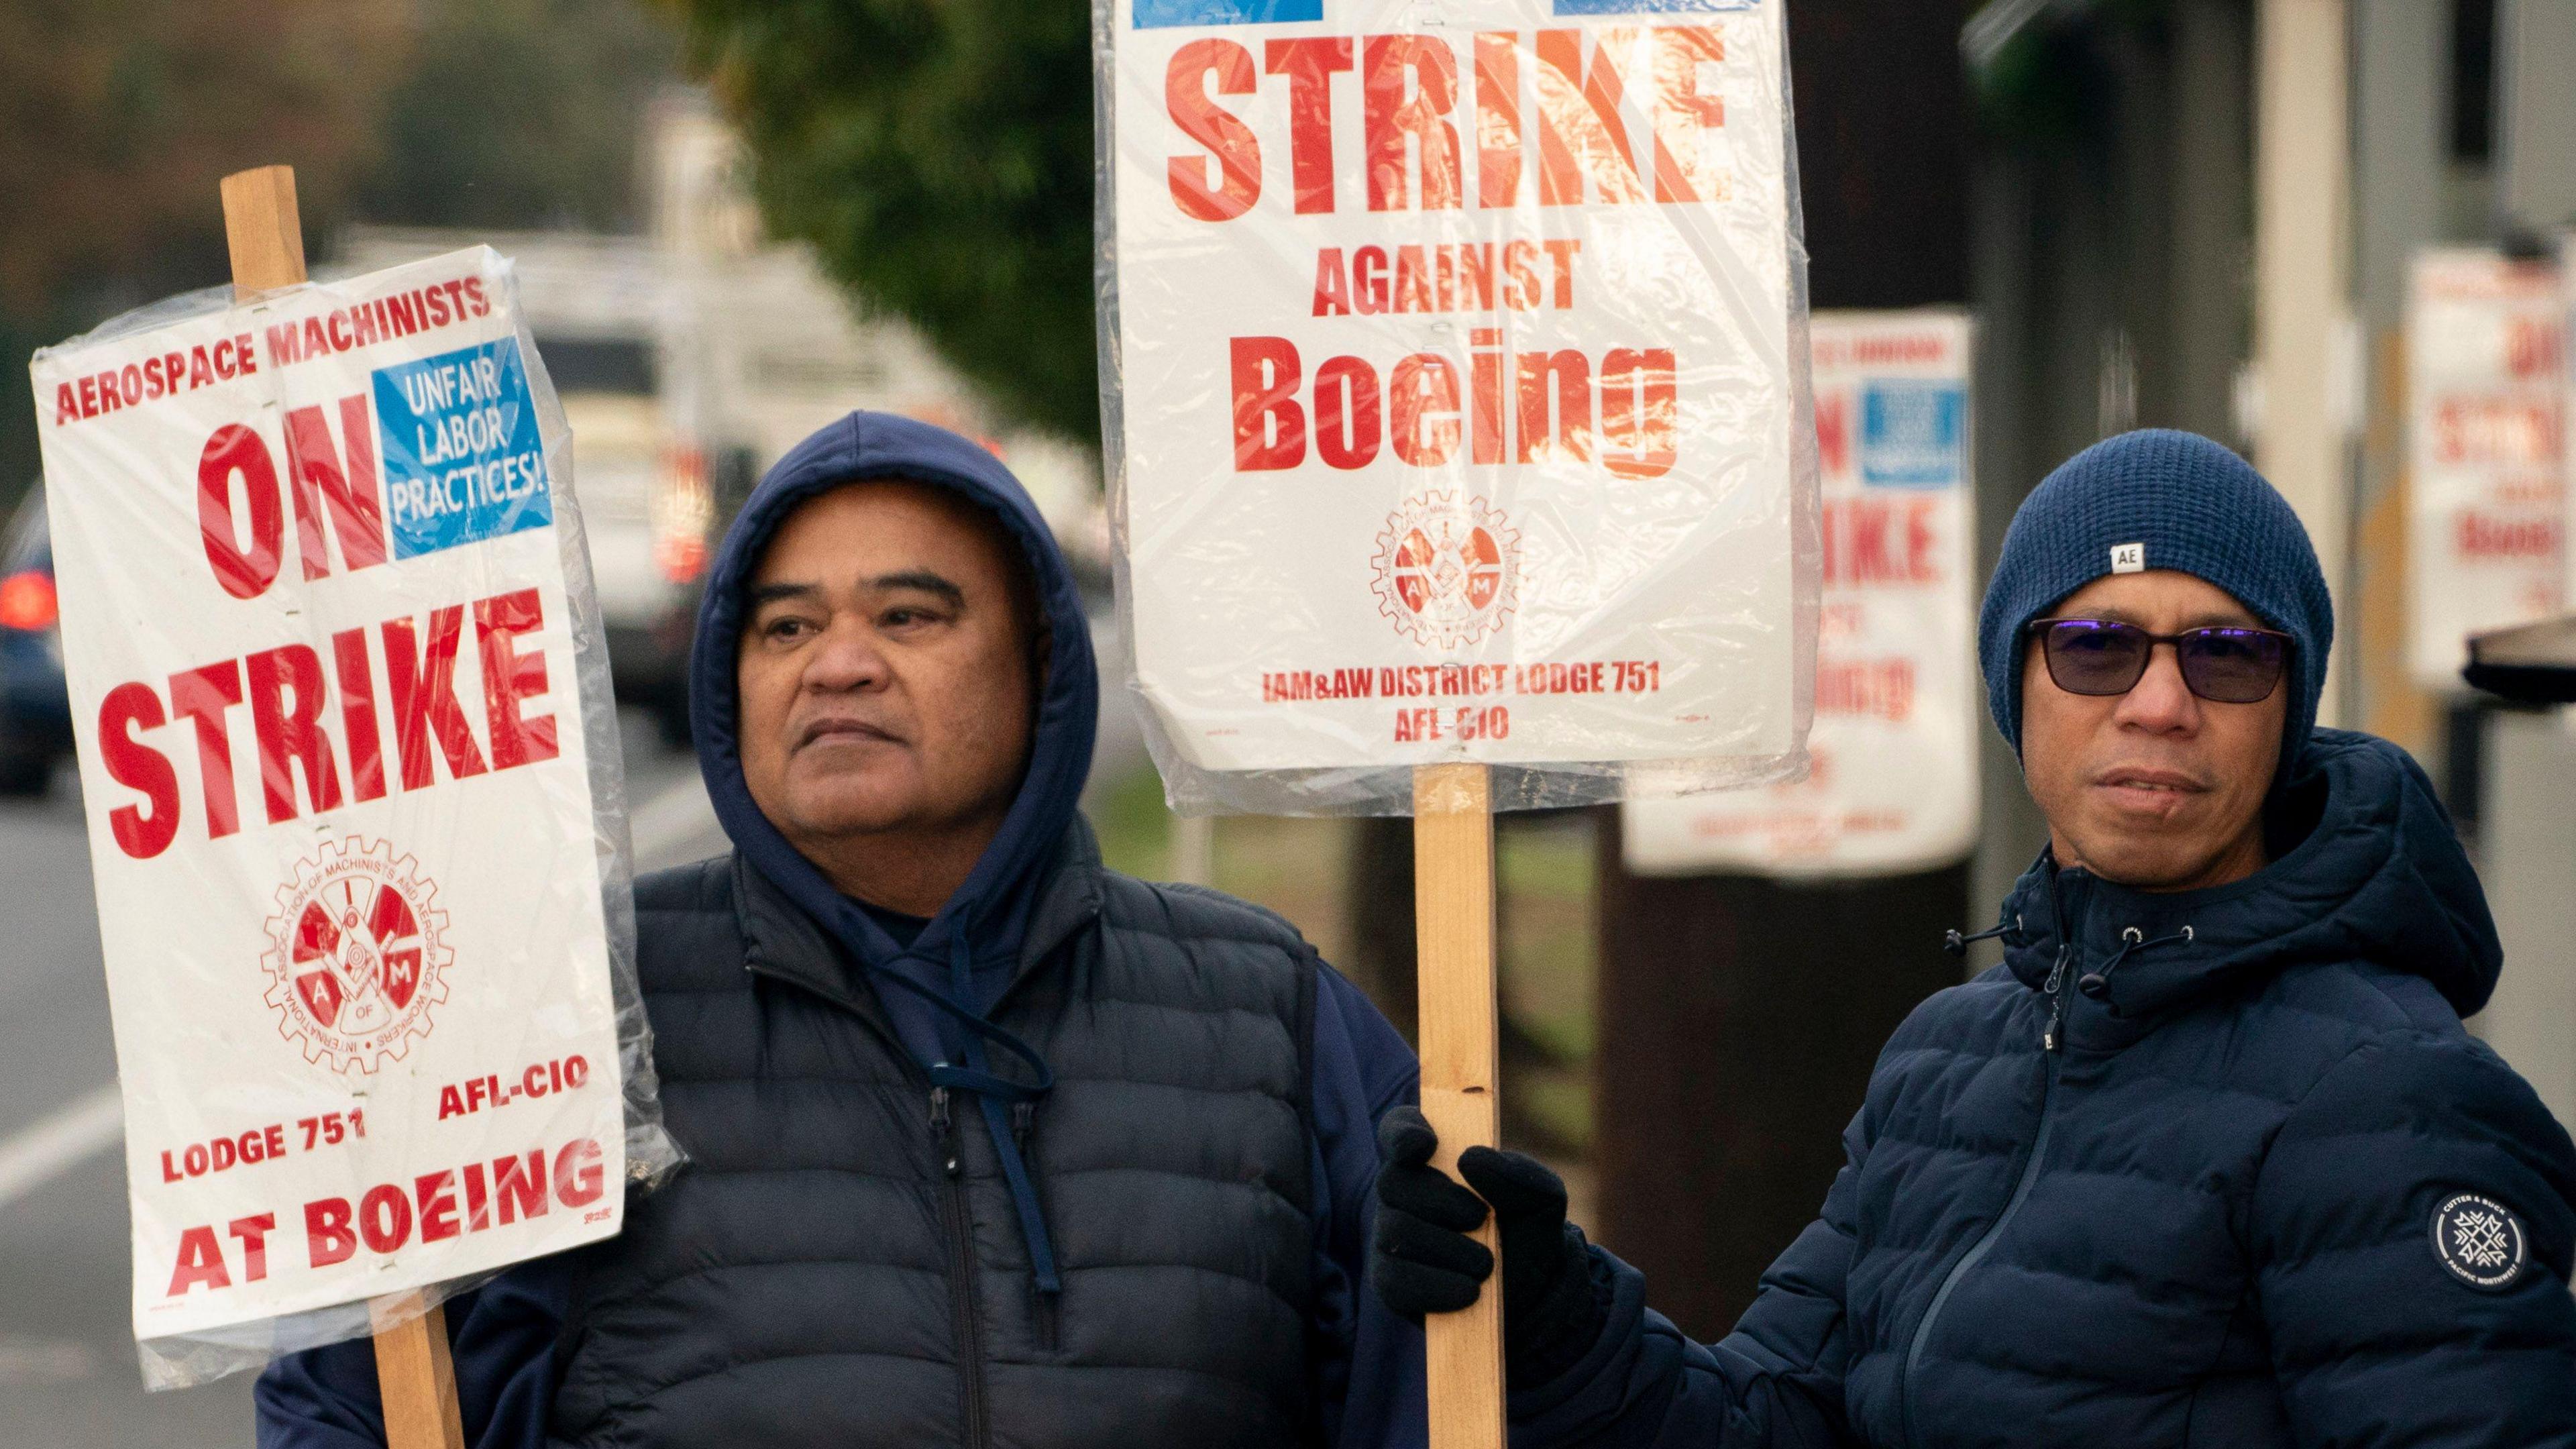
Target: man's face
column 2156, row 788
column 884, row 670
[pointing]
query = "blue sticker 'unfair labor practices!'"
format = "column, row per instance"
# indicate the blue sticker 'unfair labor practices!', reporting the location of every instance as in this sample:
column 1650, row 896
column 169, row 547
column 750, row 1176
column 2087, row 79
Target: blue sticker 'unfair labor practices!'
column 463, row 459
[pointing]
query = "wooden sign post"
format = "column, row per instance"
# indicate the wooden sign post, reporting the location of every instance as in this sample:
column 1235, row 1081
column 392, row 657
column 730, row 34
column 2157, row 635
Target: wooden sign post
column 418, row 1381
column 1453, row 910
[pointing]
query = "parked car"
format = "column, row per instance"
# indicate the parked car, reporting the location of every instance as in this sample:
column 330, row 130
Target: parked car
column 35, row 704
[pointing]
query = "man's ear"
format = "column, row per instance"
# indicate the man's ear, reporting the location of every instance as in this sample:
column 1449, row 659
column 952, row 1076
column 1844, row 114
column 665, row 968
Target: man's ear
column 2030, row 659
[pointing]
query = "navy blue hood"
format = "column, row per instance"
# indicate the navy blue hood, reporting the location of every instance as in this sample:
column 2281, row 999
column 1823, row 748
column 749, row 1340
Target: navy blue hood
column 990, row 910
column 2376, row 874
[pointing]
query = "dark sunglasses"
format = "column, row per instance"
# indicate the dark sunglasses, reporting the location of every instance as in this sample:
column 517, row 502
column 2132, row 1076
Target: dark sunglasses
column 2102, row 656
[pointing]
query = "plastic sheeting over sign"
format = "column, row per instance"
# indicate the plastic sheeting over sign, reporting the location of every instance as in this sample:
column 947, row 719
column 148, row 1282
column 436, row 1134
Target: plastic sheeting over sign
column 350, row 766
column 1894, row 782
column 1455, row 395
column 2486, row 365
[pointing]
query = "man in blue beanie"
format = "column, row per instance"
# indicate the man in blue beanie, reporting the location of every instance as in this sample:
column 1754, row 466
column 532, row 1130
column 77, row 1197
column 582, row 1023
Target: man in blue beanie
column 989, row 1144
column 2207, row 1160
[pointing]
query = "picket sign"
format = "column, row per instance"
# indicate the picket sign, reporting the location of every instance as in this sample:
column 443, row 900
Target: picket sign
column 1453, row 382
column 417, row 1378
column 1898, row 705
column 2486, row 368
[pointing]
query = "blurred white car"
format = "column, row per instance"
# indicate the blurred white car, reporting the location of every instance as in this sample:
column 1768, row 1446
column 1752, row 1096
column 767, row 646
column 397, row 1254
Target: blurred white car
column 646, row 508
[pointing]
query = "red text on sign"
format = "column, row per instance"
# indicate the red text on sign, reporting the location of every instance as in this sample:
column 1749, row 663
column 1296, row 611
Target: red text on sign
column 1880, row 540
column 432, row 1207
column 1572, row 84
column 201, row 1262
column 451, row 1202
column 242, row 523
column 540, row 1079
column 1427, row 406
column 290, row 691
column 2477, row 535
column 166, row 375
column 381, row 319
column 241, row 1149
column 1462, row 681
column 1458, row 722
column 1446, row 277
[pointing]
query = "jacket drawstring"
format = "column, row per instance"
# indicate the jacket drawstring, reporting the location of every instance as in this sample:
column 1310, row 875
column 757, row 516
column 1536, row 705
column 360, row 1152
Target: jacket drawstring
column 2096, row 983
column 993, row 1091
column 1957, row 945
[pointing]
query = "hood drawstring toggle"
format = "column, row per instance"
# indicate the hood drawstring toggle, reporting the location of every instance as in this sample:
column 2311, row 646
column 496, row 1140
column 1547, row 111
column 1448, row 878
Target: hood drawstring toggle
column 2096, row 983
column 1957, row 944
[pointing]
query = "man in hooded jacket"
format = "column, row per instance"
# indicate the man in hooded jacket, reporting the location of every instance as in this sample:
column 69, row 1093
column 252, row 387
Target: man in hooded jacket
column 988, row 1144
column 2209, row 1159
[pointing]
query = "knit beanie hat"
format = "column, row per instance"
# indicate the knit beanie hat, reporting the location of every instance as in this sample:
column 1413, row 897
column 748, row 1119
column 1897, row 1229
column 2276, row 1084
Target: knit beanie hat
column 2157, row 499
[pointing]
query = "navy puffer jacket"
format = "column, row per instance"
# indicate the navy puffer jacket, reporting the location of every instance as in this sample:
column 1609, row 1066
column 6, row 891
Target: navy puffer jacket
column 2217, row 1168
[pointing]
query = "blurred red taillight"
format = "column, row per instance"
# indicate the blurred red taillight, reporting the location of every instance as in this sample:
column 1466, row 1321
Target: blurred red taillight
column 682, row 510
column 681, row 558
column 27, row 601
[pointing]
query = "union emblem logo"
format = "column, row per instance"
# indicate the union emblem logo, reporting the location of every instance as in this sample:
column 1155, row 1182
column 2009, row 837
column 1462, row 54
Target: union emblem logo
column 1448, row 569
column 356, row 956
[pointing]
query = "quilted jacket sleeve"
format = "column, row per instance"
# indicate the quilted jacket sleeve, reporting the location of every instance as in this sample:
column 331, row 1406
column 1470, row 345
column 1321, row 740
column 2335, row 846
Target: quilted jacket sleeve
column 2411, row 1233
column 1776, row 1382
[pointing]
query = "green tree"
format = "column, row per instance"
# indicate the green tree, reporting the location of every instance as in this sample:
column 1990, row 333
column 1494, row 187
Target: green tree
column 938, row 155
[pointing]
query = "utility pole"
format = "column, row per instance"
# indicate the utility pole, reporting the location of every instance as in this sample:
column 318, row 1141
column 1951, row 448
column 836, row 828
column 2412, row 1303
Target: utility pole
column 1739, row 1016
column 2306, row 344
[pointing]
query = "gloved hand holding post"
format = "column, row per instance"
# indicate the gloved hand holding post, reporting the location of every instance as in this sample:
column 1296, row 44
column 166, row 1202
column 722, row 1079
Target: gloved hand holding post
column 1424, row 1261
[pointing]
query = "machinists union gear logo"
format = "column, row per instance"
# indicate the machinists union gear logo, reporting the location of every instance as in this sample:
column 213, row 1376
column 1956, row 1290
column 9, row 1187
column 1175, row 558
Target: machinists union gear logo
column 2480, row 1241
column 1447, row 569
column 356, row 956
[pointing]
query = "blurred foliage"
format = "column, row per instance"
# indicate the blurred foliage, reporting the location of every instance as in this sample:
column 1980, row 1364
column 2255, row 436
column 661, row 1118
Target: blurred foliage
column 117, row 117
column 2050, row 84
column 1134, row 826
column 2036, row 88
column 518, row 113
column 938, row 155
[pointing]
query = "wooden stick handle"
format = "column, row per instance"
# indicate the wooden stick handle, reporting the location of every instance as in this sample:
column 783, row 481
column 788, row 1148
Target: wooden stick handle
column 414, row 1373
column 267, row 236
column 1453, row 910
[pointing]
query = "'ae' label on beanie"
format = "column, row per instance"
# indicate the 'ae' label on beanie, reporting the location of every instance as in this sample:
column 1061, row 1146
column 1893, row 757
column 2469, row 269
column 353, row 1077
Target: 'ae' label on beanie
column 2128, row 558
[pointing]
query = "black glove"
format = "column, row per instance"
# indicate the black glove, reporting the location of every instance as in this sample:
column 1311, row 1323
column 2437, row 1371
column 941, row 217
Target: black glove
column 1555, row 1290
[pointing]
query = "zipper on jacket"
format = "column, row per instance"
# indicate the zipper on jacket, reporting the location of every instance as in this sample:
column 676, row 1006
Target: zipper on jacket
column 1042, row 1305
column 2049, row 1042
column 2054, row 1032
column 960, row 1232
